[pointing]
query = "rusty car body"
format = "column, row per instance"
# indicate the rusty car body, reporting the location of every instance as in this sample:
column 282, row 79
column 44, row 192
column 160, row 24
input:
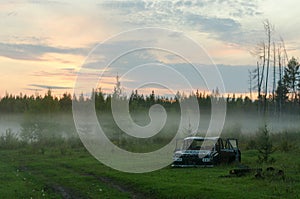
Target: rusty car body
column 206, row 151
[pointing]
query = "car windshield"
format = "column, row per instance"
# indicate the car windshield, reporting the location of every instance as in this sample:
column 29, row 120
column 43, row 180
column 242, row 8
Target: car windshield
column 191, row 144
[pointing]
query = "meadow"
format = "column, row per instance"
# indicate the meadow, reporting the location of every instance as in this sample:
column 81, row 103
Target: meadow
column 27, row 173
column 60, row 167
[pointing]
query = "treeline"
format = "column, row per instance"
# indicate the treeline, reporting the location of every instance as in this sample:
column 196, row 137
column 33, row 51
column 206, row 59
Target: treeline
column 35, row 104
column 52, row 104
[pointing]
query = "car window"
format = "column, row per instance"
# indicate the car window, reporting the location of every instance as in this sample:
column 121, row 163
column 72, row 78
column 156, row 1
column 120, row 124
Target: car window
column 227, row 145
column 198, row 144
column 233, row 143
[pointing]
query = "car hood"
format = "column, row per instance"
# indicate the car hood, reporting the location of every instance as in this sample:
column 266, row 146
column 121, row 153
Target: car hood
column 192, row 152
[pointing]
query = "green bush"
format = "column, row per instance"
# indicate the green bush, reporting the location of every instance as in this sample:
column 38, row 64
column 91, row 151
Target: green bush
column 9, row 140
column 264, row 145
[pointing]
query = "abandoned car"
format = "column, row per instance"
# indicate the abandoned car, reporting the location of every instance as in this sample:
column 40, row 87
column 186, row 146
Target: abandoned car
column 205, row 151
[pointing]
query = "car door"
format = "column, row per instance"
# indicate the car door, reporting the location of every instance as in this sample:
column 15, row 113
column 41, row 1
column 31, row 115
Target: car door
column 234, row 144
column 228, row 152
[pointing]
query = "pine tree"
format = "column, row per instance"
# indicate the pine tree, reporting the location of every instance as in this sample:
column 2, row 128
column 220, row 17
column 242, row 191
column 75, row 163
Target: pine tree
column 291, row 78
column 264, row 146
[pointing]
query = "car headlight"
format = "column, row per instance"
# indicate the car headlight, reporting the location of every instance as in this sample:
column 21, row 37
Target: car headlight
column 177, row 155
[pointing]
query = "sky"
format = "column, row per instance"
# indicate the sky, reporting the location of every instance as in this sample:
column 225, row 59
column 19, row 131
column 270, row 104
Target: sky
column 45, row 44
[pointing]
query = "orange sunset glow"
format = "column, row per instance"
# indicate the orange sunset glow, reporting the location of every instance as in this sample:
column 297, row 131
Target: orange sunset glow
column 44, row 43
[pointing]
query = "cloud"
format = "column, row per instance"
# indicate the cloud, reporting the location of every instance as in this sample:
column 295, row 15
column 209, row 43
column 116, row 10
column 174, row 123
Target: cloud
column 124, row 6
column 49, row 87
column 47, row 2
column 68, row 74
column 35, row 51
column 65, row 72
column 218, row 17
column 117, row 55
column 213, row 24
column 33, row 89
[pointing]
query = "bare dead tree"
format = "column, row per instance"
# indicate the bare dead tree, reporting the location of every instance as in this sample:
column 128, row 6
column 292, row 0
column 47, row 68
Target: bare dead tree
column 284, row 49
column 268, row 52
column 280, row 78
column 274, row 73
column 261, row 76
column 279, row 58
column 250, row 83
column 268, row 30
column 258, row 74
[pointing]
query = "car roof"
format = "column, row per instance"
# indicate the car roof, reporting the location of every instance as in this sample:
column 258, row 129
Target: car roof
column 201, row 138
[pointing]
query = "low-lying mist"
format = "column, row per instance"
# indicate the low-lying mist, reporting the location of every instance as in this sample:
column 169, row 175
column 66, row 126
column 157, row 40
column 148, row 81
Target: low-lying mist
column 60, row 124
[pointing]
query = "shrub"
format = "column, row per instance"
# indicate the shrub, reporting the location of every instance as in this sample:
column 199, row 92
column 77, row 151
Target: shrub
column 9, row 140
column 264, row 145
column 286, row 144
column 251, row 144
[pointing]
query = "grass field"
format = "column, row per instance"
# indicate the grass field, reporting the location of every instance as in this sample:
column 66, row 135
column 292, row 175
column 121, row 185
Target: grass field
column 28, row 173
